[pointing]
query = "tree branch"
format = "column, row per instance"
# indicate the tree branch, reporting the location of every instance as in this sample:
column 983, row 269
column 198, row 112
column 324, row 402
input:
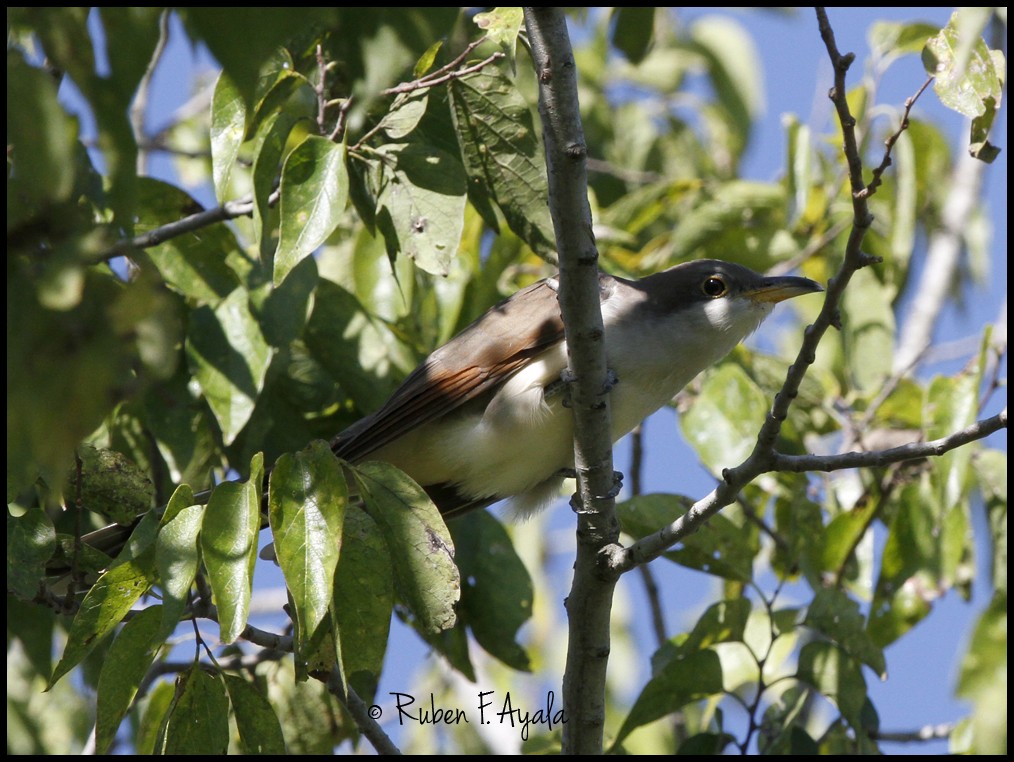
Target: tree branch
column 764, row 457
column 590, row 601
column 227, row 211
column 879, row 458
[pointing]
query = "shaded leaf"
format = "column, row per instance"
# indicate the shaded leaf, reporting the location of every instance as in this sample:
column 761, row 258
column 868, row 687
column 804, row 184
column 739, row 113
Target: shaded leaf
column 503, row 156
column 126, row 664
column 833, row 673
column 983, row 680
column 229, row 358
column 838, row 617
column 31, row 540
column 720, row 547
column 259, row 729
column 696, row 676
column 420, row 546
column 363, row 600
column 633, row 31
column 198, row 718
column 496, row 595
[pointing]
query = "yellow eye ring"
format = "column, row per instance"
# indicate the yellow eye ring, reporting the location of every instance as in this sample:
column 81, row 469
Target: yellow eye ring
column 714, row 287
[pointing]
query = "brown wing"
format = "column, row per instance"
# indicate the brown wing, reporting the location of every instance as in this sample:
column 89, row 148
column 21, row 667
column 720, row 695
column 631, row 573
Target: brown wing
column 471, row 364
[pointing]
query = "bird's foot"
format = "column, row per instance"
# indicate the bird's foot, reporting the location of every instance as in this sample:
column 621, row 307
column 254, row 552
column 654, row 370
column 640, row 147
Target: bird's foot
column 575, row 500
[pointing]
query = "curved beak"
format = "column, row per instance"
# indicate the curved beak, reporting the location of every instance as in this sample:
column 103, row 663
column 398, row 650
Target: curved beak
column 778, row 289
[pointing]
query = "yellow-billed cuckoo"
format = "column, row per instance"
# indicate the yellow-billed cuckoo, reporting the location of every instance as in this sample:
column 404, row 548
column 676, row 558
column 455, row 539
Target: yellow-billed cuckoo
column 483, row 419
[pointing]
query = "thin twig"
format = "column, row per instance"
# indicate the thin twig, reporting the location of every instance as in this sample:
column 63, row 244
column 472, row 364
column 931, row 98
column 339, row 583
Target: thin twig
column 228, row 211
column 425, row 82
column 880, row 458
column 889, row 143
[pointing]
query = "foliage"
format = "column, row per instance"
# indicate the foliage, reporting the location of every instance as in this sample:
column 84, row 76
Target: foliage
column 374, row 192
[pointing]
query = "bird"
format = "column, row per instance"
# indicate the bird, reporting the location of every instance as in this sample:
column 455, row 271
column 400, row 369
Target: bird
column 484, row 417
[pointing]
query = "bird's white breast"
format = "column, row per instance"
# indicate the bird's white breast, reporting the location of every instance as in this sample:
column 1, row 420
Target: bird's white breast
column 523, row 440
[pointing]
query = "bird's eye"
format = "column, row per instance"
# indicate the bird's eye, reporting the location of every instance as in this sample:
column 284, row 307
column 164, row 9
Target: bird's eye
column 714, row 287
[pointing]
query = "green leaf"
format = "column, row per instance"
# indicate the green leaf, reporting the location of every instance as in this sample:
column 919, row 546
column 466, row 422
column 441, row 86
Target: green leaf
column 40, row 139
column 125, row 665
column 869, row 329
column 503, row 156
column 838, row 617
column 834, row 674
column 991, row 466
column 363, row 600
column 345, row 340
column 283, row 316
column 496, row 595
column 182, row 428
column 983, row 680
column 502, row 27
column 270, row 143
column 731, row 217
column 241, row 39
column 889, row 39
column 633, row 31
column 968, row 77
column 908, row 582
column 67, row 379
column 259, row 729
column 405, row 114
column 735, row 70
column 722, row 622
column 720, row 547
column 696, row 676
column 229, row 358
column 160, row 699
column 177, row 556
column 314, row 191
column 422, row 204
column 420, row 546
column 198, row 718
column 228, row 130
column 194, row 264
column 232, row 521
column 103, row 607
column 307, row 498
column 111, row 485
column 784, row 724
column 723, row 422
column 31, row 540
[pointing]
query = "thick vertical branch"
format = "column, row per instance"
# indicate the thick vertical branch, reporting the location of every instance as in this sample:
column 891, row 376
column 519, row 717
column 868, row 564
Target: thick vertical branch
column 590, row 600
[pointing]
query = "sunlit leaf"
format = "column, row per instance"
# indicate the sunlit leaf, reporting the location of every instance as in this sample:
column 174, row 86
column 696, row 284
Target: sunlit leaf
column 232, row 521
column 314, row 192
column 306, row 507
